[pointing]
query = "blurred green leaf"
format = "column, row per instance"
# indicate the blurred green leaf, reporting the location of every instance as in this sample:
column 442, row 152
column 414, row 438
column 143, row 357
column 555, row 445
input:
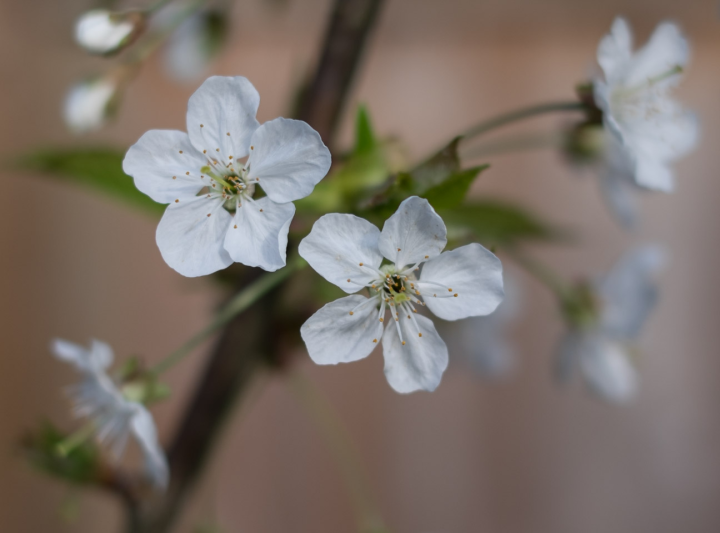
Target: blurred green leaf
column 95, row 168
column 453, row 190
column 492, row 223
column 365, row 140
column 437, row 169
column 80, row 465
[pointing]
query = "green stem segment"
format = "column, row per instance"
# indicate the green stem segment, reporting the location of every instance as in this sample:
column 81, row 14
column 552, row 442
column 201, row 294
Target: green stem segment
column 237, row 305
column 341, row 447
column 78, row 438
column 521, row 114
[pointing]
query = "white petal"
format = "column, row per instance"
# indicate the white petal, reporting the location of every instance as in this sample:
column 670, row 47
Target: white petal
column 615, row 50
column 655, row 175
column 158, row 163
column 97, row 358
column 220, row 106
column 337, row 245
column 333, row 335
column 413, row 234
column 289, row 158
column 143, row 427
column 258, row 233
column 628, row 292
column 607, row 370
column 473, row 272
column 420, row 363
column 187, row 53
column 666, row 50
column 617, row 184
column 190, row 241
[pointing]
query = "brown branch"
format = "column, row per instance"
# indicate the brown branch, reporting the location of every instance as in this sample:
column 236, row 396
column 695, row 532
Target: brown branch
column 249, row 341
column 321, row 104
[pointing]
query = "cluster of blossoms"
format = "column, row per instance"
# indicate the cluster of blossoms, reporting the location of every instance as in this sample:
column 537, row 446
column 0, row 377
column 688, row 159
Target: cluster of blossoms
column 349, row 251
column 211, row 177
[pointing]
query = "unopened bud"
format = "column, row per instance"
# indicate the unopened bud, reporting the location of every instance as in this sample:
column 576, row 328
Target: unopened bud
column 89, row 104
column 106, row 32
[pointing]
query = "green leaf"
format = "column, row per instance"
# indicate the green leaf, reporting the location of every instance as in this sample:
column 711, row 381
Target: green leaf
column 96, row 168
column 492, row 223
column 80, row 465
column 437, row 169
column 365, row 140
column 453, row 190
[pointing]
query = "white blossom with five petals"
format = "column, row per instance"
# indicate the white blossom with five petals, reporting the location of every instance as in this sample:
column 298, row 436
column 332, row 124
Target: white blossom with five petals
column 213, row 219
column 652, row 128
column 348, row 251
column 115, row 417
column 625, row 298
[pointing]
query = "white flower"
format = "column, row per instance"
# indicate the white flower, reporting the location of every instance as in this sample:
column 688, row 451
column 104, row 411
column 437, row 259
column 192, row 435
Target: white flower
column 89, row 104
column 115, row 417
column 652, row 128
column 625, row 298
column 212, row 219
column 348, row 251
column 104, row 32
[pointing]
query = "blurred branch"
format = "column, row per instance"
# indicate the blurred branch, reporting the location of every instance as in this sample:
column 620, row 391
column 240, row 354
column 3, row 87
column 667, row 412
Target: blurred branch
column 249, row 341
column 322, row 101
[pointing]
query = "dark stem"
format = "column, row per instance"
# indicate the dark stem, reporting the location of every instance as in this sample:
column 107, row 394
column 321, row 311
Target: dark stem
column 248, row 342
column 322, row 101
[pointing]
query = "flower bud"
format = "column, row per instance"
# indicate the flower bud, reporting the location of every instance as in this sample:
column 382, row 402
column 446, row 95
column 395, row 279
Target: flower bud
column 89, row 104
column 106, row 32
column 194, row 44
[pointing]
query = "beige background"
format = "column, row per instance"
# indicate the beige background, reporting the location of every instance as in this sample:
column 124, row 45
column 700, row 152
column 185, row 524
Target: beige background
column 511, row 457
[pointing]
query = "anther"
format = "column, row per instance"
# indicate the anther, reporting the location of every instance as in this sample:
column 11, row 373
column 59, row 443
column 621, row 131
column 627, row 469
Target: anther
column 382, row 320
column 449, row 290
column 181, row 151
column 187, row 173
column 403, row 343
column 399, row 249
column 408, row 316
column 434, row 295
column 202, row 125
column 455, row 295
column 261, row 210
column 209, row 214
column 174, row 177
column 217, row 149
column 228, row 134
column 235, row 226
column 176, row 201
column 252, row 148
column 348, row 281
column 351, row 313
column 374, row 340
column 397, row 320
column 427, row 257
column 229, row 157
column 204, row 151
column 419, row 334
column 361, row 264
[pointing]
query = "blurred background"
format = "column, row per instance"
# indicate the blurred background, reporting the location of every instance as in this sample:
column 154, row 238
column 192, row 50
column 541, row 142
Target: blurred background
column 516, row 455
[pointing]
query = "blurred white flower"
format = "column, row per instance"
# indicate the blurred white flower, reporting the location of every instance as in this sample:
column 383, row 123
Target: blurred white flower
column 89, row 104
column 193, row 45
column 348, row 251
column 617, row 182
column 652, row 129
column 105, row 32
column 483, row 340
column 621, row 302
column 115, row 416
column 212, row 219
